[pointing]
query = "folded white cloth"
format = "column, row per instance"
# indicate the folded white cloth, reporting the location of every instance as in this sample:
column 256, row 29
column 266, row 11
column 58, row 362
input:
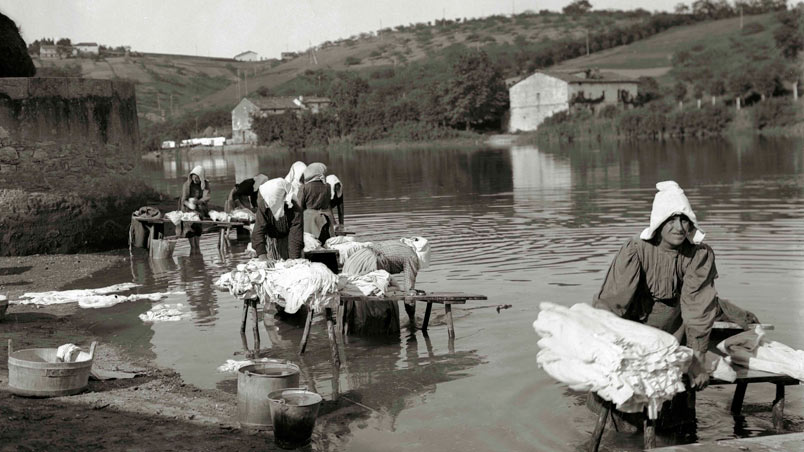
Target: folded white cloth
column 752, row 350
column 67, row 353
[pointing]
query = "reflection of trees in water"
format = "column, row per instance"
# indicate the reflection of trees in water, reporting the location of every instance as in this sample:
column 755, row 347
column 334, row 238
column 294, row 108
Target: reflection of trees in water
column 201, row 294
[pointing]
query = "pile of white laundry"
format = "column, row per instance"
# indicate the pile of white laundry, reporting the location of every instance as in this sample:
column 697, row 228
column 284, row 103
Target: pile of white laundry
column 345, row 245
column 288, row 283
column 68, row 353
column 165, row 313
column 214, row 215
column 242, row 214
column 630, row 364
column 371, row 284
column 752, row 350
column 310, row 242
column 177, row 217
column 103, row 297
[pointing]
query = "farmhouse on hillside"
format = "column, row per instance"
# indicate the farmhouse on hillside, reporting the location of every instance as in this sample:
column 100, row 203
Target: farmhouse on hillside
column 248, row 55
column 85, row 48
column 544, row 94
column 264, row 106
column 47, row 52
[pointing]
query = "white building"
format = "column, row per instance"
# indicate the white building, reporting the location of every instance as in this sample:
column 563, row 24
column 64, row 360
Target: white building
column 544, row 94
column 214, row 141
column 48, row 52
column 85, row 48
column 264, row 106
column 169, row 144
column 248, row 55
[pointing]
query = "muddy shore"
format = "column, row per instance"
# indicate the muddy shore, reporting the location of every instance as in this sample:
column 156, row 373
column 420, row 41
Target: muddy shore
column 153, row 411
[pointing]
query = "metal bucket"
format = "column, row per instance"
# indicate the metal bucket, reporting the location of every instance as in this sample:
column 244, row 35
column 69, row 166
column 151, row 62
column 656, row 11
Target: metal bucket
column 293, row 413
column 255, row 382
column 34, row 372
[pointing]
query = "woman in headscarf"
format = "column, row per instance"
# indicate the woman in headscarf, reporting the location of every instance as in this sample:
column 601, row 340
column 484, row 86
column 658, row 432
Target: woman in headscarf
column 244, row 194
column 195, row 194
column 295, row 178
column 314, row 197
column 665, row 278
column 336, row 197
column 404, row 256
column 274, row 216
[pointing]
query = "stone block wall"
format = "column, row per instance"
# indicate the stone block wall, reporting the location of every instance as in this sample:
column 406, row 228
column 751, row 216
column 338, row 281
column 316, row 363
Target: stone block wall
column 70, row 110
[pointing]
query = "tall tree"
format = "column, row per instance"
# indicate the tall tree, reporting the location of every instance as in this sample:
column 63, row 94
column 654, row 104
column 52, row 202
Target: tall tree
column 475, row 94
column 577, row 7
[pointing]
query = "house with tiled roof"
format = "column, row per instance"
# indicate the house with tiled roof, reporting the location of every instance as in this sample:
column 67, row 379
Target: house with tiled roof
column 545, row 93
column 248, row 55
column 250, row 106
column 85, row 48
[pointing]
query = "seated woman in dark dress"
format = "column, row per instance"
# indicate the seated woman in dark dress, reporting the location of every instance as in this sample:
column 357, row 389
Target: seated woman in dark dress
column 270, row 236
column 314, row 201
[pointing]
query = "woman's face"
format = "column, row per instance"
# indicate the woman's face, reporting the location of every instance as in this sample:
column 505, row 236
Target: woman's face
column 675, row 229
column 195, row 178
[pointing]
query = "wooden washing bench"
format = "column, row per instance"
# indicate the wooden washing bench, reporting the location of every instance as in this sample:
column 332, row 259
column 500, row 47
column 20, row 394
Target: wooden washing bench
column 445, row 298
column 156, row 228
column 722, row 330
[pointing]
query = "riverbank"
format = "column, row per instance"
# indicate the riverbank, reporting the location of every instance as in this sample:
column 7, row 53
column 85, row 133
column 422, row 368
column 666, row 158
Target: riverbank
column 155, row 410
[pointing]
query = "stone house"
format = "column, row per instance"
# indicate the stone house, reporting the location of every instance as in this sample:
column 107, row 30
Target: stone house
column 248, row 55
column 264, row 106
column 543, row 94
column 48, row 52
column 85, row 48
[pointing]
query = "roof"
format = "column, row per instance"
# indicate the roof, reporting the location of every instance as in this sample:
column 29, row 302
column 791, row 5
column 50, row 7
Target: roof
column 86, row 44
column 284, row 102
column 245, row 53
column 600, row 77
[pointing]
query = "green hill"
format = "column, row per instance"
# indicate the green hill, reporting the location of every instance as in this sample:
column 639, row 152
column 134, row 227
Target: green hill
column 720, row 46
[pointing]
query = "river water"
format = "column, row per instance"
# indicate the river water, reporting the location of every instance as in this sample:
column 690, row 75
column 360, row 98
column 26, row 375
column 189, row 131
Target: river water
column 521, row 225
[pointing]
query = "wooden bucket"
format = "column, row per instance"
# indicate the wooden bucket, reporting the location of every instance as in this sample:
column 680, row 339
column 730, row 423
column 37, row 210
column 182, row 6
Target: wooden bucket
column 34, row 372
column 162, row 248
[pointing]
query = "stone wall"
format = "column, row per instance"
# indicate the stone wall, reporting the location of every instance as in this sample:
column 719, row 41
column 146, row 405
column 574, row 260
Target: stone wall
column 70, row 110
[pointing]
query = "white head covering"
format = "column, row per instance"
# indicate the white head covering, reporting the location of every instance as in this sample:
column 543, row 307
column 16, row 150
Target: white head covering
column 315, row 171
column 333, row 180
column 274, row 192
column 422, row 248
column 669, row 201
column 294, row 179
column 259, row 179
column 199, row 171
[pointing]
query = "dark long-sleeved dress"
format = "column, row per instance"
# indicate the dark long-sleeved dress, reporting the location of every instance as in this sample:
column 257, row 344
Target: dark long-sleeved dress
column 271, row 236
column 314, row 198
column 670, row 289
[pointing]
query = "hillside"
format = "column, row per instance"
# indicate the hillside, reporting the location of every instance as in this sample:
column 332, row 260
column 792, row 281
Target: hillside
column 654, row 56
column 390, row 48
column 165, row 84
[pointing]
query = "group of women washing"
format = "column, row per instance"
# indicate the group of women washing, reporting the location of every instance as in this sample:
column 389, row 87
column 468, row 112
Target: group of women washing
column 285, row 208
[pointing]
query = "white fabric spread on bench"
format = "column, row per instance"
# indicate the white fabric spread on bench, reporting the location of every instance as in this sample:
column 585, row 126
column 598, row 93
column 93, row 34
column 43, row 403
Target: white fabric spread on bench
column 371, row 284
column 752, row 350
column 345, row 246
column 628, row 363
column 288, row 283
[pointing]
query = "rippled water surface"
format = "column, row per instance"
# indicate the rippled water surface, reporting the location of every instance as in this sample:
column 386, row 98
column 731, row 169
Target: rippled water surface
column 520, row 225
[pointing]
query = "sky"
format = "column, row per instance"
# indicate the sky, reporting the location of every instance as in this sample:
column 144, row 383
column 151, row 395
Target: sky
column 224, row 28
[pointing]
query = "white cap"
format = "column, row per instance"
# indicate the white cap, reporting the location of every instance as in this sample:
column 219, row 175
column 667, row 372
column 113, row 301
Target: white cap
column 669, row 201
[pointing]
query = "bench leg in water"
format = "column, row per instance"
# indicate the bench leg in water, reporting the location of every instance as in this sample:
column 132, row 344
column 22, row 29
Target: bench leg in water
column 243, row 327
column 333, row 343
column 195, row 244
column 600, row 426
column 256, row 329
column 410, row 309
column 739, row 395
column 777, row 414
column 450, row 325
column 650, row 433
column 306, row 334
column 426, row 316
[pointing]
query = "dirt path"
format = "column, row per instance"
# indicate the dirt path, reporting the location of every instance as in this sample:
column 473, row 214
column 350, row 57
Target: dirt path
column 153, row 411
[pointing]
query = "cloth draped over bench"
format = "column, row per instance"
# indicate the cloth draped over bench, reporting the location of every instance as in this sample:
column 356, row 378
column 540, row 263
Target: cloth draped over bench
column 751, row 349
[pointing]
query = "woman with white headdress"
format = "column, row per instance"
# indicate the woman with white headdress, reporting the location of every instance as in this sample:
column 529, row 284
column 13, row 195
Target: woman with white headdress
column 665, row 278
column 195, row 194
column 336, row 197
column 270, row 236
column 314, row 198
column 295, row 180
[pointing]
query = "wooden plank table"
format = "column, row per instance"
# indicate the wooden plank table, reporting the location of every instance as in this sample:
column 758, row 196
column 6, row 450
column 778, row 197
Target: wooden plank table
column 745, row 377
column 155, row 228
column 445, row 298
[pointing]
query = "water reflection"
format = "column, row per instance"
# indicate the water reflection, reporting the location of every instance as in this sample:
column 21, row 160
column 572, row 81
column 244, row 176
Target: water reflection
column 197, row 284
column 522, row 225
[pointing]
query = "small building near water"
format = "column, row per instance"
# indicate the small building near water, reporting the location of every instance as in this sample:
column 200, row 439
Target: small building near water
column 544, row 94
column 85, row 48
column 264, row 106
column 48, row 52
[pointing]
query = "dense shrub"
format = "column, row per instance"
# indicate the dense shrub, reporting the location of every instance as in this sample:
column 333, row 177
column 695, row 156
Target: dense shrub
column 774, row 112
